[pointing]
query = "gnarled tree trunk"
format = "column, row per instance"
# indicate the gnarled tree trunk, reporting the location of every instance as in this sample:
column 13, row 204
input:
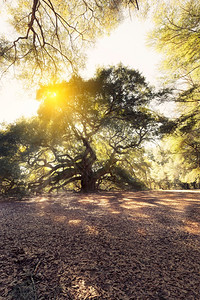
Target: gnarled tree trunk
column 88, row 182
column 88, row 179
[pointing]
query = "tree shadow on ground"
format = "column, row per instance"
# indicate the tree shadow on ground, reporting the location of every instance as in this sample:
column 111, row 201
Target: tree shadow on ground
column 125, row 245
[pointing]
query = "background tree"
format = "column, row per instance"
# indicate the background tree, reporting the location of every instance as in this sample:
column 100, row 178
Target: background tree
column 50, row 35
column 166, row 165
column 185, row 146
column 176, row 34
column 11, row 174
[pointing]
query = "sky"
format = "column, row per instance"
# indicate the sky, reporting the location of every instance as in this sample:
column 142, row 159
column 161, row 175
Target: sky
column 126, row 44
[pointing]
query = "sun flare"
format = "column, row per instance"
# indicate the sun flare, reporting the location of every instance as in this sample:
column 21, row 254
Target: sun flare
column 53, row 94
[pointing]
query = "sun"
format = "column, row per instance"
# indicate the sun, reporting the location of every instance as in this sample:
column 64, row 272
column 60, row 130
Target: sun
column 52, row 94
column 57, row 95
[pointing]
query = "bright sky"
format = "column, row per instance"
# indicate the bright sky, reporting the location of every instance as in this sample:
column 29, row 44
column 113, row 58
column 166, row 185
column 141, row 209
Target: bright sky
column 126, row 44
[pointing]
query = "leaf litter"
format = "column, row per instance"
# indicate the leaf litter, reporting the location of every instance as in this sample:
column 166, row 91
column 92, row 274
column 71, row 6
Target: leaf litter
column 114, row 245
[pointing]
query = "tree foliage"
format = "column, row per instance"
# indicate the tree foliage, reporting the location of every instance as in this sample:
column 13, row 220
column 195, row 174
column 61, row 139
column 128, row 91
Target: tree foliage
column 11, row 177
column 176, row 34
column 176, row 161
column 188, row 144
column 50, row 35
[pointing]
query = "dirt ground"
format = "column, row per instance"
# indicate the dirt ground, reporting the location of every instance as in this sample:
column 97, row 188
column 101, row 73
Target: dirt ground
column 137, row 245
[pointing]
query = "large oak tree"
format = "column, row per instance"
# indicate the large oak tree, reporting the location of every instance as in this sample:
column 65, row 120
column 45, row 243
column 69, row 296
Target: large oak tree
column 86, row 131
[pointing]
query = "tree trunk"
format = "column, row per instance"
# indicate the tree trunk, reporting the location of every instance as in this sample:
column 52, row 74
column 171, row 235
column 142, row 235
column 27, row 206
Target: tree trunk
column 88, row 178
column 88, row 182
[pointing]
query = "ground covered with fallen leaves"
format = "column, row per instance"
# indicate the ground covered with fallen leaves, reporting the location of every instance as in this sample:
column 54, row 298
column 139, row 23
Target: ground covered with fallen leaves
column 136, row 245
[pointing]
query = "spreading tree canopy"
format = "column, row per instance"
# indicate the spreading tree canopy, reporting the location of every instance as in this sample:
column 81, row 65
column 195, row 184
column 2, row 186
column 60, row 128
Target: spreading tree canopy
column 87, row 130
